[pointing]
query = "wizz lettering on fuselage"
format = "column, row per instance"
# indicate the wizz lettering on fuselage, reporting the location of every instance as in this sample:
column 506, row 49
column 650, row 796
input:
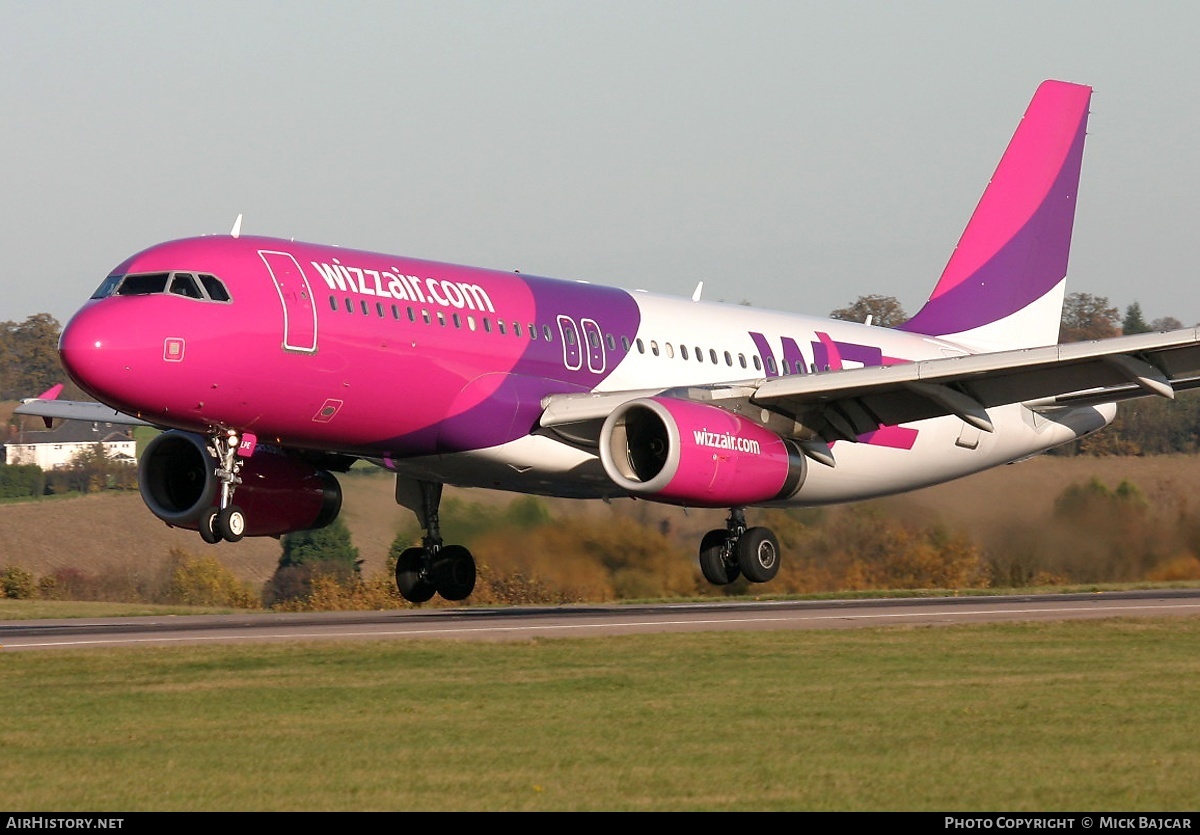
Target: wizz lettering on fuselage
column 827, row 354
column 461, row 295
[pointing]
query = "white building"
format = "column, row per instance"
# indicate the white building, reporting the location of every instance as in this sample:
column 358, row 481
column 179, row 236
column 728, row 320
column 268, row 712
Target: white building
column 54, row 448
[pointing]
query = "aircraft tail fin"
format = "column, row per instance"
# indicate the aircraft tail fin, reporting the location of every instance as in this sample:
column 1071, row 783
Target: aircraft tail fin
column 1004, row 285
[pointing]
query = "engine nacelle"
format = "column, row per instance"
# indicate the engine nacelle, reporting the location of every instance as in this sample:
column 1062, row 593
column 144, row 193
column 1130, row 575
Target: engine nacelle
column 690, row 453
column 279, row 493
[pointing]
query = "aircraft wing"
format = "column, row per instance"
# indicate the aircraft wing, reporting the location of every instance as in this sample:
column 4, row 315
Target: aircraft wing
column 49, row 409
column 843, row 404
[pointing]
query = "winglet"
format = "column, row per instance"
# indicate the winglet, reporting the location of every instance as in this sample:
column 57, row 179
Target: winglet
column 1005, row 283
column 236, row 231
column 51, row 393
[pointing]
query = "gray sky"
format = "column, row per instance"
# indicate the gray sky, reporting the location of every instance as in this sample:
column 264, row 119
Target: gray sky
column 792, row 154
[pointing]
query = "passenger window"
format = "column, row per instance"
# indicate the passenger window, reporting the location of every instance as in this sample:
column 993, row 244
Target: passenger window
column 683, row 351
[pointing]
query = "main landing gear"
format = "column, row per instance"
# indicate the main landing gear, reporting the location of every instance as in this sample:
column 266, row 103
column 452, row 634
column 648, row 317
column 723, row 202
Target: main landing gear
column 227, row 521
column 422, row 571
column 739, row 551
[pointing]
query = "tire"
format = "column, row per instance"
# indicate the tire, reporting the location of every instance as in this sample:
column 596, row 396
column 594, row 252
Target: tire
column 208, row 527
column 231, row 523
column 713, row 565
column 758, row 555
column 454, row 572
column 412, row 586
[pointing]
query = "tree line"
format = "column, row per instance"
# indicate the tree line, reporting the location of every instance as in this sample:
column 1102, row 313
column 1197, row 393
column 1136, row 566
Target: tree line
column 1093, row 535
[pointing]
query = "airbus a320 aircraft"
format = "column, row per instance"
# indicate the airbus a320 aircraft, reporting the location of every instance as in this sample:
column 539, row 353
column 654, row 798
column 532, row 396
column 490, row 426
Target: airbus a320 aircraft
column 270, row 364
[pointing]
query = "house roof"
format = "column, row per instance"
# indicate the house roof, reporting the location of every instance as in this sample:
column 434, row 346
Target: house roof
column 75, row 432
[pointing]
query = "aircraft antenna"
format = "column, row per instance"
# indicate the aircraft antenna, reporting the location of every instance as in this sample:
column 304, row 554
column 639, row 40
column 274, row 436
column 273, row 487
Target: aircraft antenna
column 696, row 294
column 236, row 231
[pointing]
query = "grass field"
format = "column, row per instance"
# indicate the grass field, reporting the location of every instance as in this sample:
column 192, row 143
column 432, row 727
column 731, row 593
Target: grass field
column 1074, row 716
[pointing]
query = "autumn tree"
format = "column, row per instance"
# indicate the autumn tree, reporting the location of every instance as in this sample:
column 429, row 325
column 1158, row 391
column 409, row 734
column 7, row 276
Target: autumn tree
column 1166, row 323
column 29, row 356
column 1086, row 317
column 884, row 311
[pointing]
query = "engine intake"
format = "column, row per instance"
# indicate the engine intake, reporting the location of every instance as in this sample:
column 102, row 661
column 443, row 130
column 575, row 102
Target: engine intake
column 690, row 453
column 280, row 492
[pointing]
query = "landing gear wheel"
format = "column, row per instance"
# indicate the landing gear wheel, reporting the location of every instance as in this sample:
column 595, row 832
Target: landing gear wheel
column 758, row 555
column 454, row 572
column 231, row 523
column 208, row 527
column 713, row 563
column 410, row 581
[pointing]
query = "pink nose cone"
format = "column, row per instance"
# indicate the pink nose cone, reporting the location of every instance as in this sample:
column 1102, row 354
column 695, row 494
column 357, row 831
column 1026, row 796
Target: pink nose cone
column 92, row 348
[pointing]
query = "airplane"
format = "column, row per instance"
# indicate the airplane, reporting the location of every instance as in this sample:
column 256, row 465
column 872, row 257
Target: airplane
column 270, row 365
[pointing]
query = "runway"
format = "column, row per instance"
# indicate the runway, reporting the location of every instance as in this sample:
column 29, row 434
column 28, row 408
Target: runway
column 529, row 623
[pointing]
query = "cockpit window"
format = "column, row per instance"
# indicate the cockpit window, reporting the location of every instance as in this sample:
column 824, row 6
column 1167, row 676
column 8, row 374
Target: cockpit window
column 107, row 287
column 184, row 284
column 216, row 290
column 142, row 285
column 189, row 285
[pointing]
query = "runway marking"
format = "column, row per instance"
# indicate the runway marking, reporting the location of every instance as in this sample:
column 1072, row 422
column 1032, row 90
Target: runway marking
column 323, row 635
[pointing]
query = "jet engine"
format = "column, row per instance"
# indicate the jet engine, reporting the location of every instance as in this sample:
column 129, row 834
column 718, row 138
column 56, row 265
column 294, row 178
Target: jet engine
column 690, row 453
column 280, row 492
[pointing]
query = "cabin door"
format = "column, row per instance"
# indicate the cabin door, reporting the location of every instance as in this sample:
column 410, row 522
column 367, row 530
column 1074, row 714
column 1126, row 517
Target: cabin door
column 299, row 313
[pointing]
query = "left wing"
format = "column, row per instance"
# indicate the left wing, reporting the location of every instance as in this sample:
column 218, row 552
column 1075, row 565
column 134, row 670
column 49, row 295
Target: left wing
column 841, row 405
column 48, row 408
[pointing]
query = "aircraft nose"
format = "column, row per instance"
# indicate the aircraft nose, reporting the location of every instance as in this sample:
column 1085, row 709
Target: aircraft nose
column 91, row 350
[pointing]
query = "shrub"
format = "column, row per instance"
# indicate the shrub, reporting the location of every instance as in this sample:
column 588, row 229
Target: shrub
column 17, row 584
column 204, row 581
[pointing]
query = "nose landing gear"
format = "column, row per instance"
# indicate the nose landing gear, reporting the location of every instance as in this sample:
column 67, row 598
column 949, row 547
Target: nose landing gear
column 227, row 521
